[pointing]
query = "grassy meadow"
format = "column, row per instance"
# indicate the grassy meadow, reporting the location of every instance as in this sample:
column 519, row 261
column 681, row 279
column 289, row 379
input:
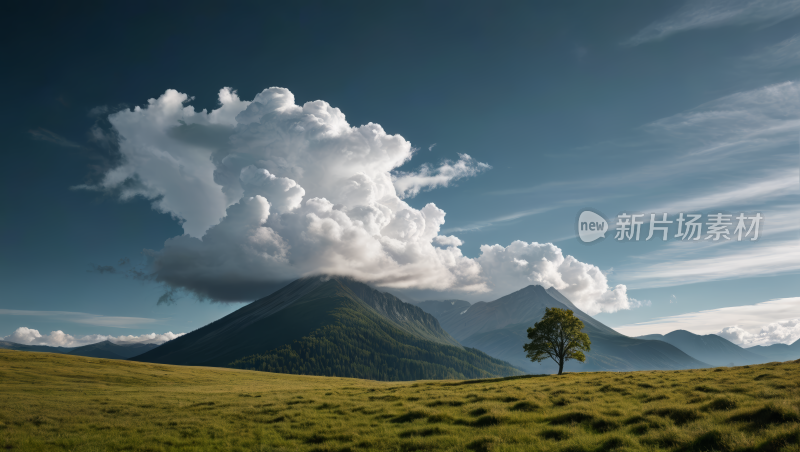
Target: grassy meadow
column 61, row 402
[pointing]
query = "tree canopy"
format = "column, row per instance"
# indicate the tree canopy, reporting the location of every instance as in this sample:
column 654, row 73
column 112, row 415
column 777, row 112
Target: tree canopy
column 558, row 336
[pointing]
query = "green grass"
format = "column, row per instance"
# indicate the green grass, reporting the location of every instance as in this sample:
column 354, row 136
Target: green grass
column 61, row 402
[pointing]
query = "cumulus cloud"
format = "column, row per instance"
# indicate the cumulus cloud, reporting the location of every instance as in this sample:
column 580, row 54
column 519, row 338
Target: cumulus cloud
column 715, row 13
column 29, row 336
column 521, row 264
column 269, row 191
column 782, row 332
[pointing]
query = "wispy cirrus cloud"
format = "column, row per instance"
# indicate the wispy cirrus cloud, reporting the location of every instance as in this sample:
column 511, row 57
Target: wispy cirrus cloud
column 410, row 184
column 699, row 14
column 42, row 134
column 771, row 185
column 746, row 260
column 744, row 134
column 478, row 225
column 783, row 54
column 85, row 318
column 752, row 319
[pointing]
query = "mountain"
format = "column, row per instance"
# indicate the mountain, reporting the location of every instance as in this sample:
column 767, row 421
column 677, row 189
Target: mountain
column 331, row 326
column 709, row 348
column 778, row 352
column 33, row 348
column 499, row 328
column 105, row 349
column 110, row 350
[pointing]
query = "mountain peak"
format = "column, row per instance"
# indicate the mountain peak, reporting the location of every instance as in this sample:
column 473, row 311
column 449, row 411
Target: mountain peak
column 347, row 328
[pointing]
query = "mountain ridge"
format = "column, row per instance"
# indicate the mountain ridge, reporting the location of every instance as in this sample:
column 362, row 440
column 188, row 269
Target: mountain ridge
column 301, row 329
column 499, row 328
column 708, row 348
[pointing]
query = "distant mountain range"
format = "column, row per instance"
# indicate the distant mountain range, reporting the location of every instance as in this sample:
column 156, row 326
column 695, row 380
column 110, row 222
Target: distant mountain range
column 111, row 350
column 105, row 349
column 336, row 326
column 778, row 352
column 499, row 328
column 709, row 348
column 331, row 326
column 34, row 348
column 718, row 351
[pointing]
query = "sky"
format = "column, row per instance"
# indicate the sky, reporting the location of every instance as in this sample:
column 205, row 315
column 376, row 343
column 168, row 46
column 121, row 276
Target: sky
column 167, row 163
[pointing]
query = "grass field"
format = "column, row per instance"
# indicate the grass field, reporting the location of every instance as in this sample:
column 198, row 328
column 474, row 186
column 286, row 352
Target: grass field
column 60, row 402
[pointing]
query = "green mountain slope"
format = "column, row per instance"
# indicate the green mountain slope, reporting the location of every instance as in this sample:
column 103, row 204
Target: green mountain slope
column 320, row 326
column 708, row 348
column 361, row 343
column 499, row 328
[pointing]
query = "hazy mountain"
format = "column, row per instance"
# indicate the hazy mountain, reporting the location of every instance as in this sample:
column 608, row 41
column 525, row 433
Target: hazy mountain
column 105, row 349
column 778, row 352
column 33, row 348
column 709, row 348
column 499, row 328
column 331, row 326
column 110, row 350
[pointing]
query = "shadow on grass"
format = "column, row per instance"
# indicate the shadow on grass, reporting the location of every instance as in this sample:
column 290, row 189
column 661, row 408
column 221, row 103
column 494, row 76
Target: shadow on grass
column 772, row 414
column 680, row 416
column 493, row 380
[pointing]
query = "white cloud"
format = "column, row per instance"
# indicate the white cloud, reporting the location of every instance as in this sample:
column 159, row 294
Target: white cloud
column 782, row 332
column 161, row 162
column 768, row 322
column 28, row 336
column 521, row 264
column 715, row 13
column 295, row 190
column 410, row 184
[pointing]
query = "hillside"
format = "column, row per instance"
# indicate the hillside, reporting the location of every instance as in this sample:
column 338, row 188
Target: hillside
column 319, row 326
column 62, row 402
column 709, row 348
column 499, row 328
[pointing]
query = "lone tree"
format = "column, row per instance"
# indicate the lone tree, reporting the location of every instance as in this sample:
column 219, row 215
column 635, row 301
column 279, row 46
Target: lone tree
column 558, row 335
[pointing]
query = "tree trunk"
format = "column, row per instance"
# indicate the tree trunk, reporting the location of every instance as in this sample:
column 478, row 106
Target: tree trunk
column 561, row 367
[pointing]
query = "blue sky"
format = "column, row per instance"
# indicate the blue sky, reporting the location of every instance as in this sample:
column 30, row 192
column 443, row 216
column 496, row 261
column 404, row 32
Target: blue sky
column 618, row 107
